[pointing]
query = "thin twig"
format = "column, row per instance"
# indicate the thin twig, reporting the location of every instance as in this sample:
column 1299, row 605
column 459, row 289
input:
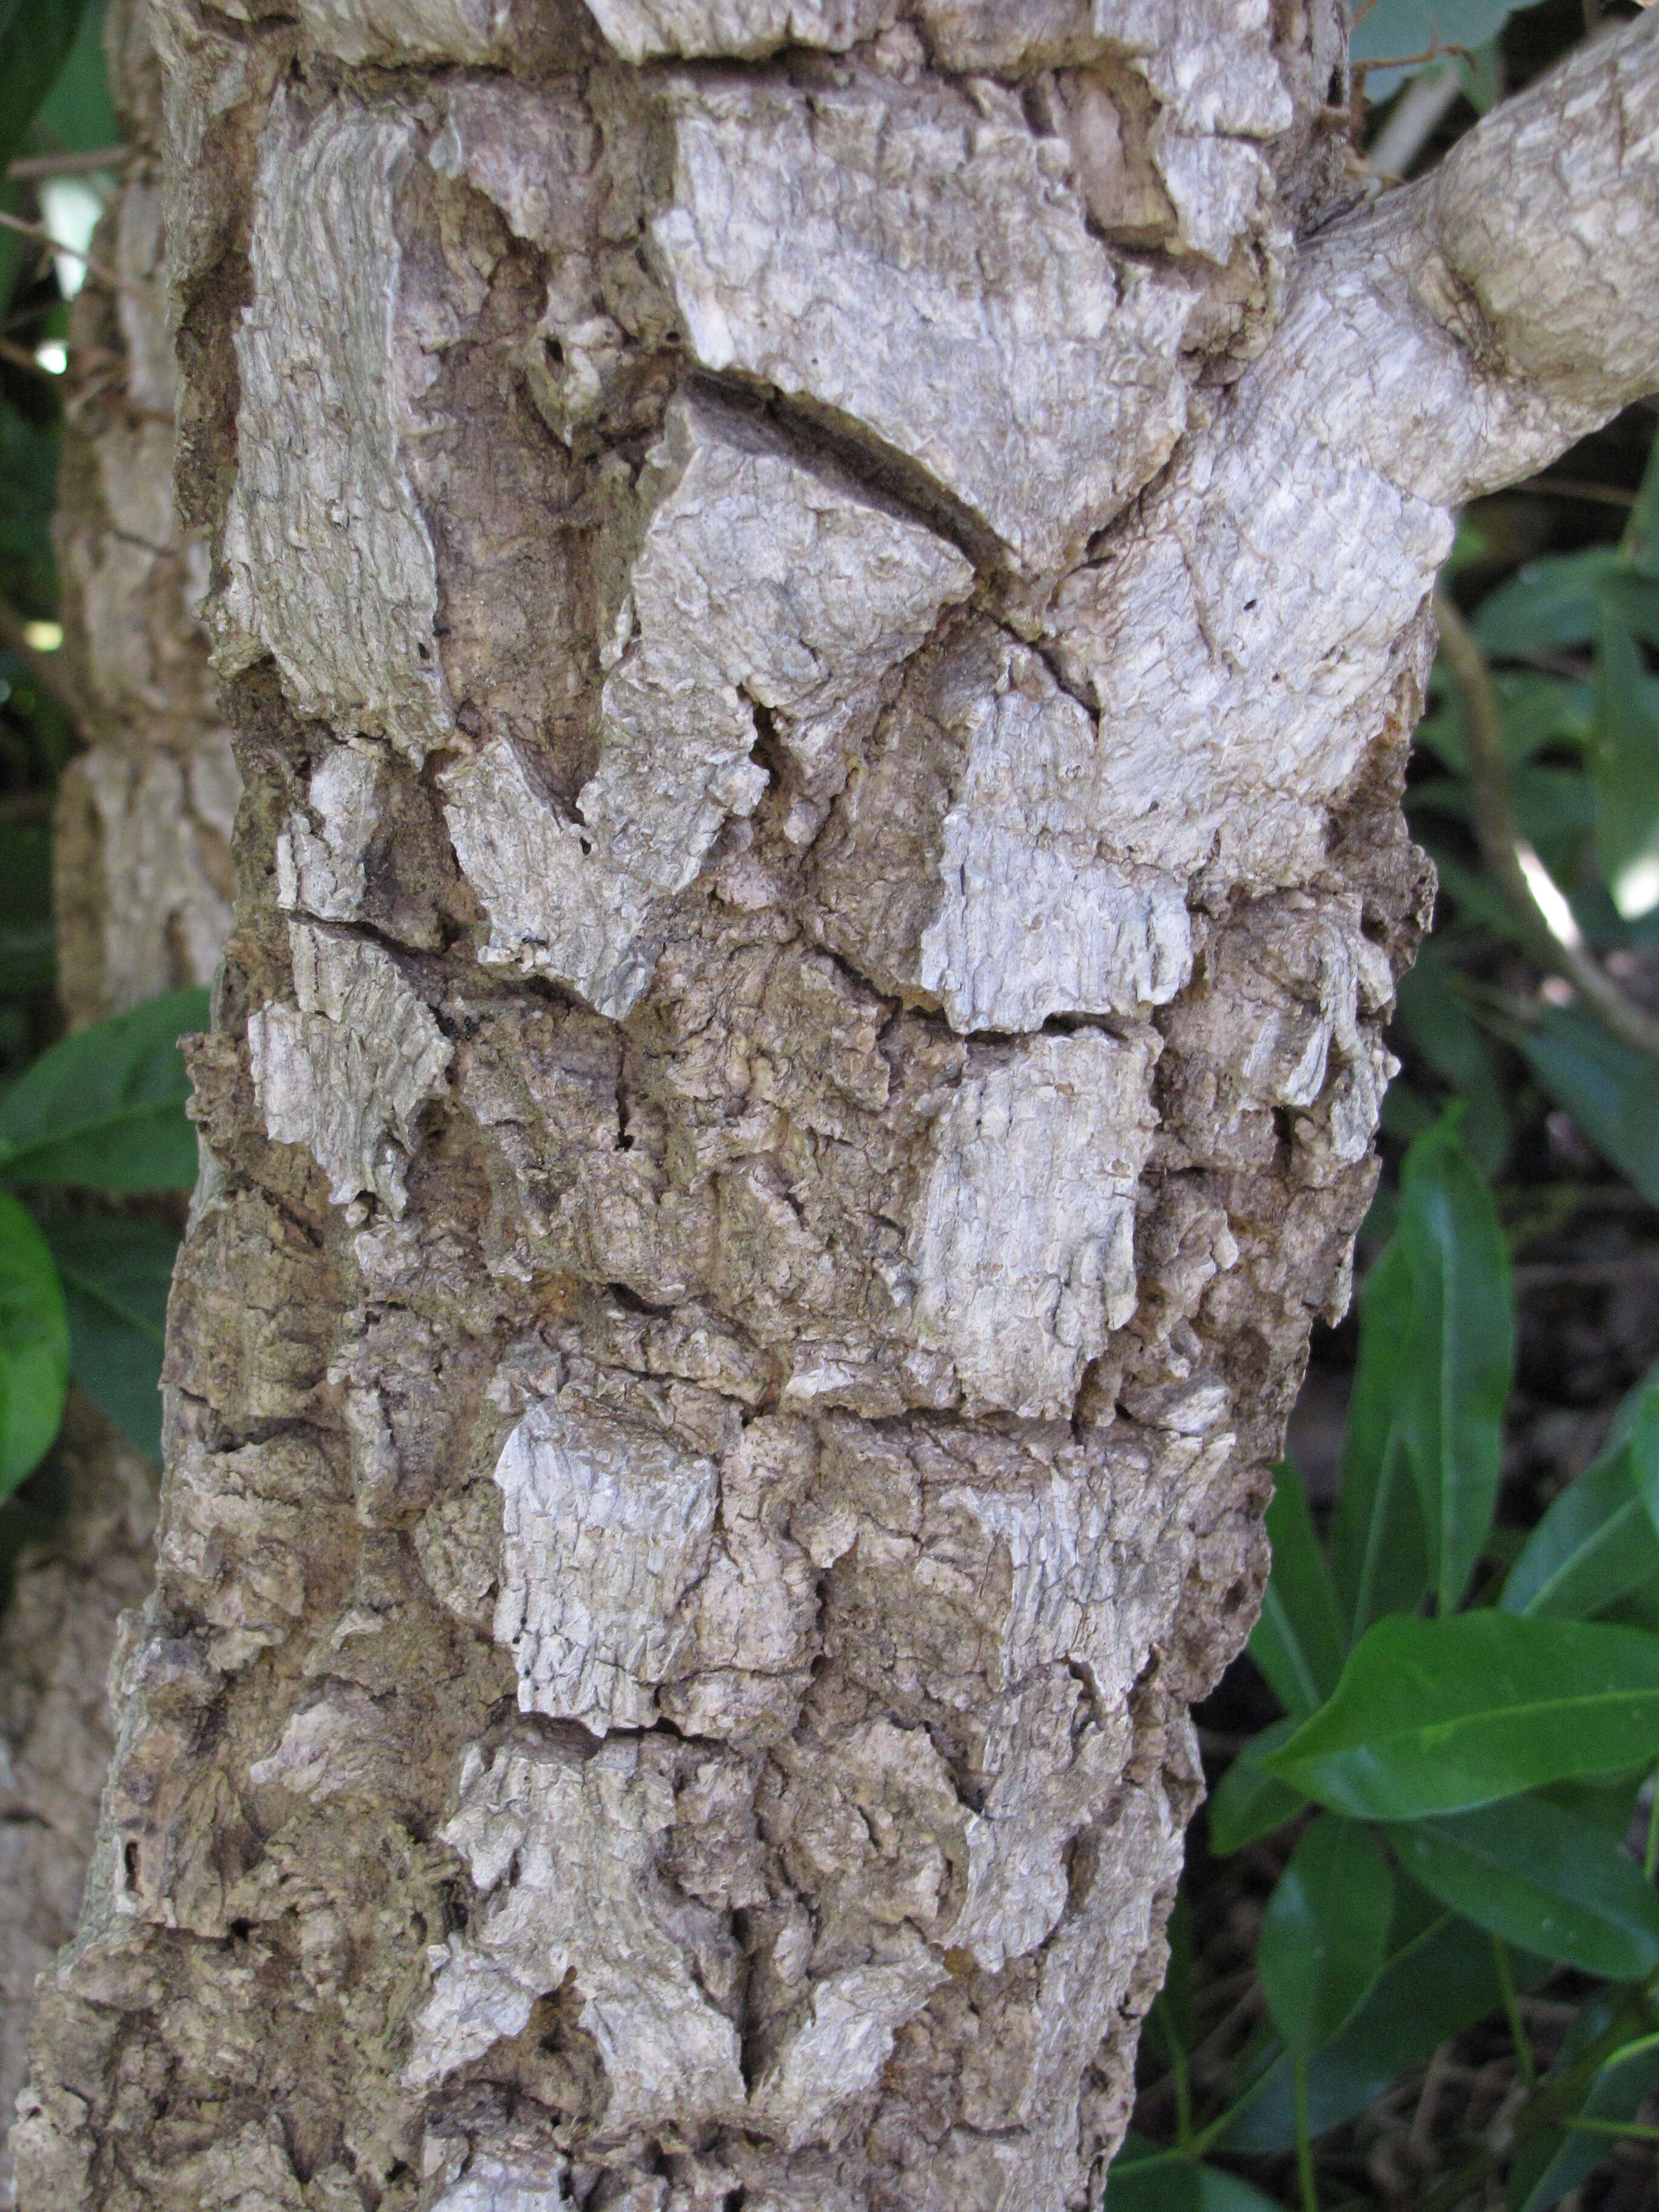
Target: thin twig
column 20, row 358
column 39, row 232
column 1434, row 53
column 1519, row 873
column 14, row 640
column 68, row 165
column 1575, row 487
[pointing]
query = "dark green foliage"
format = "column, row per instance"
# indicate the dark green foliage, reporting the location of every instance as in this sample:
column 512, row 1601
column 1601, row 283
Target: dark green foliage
column 92, row 1121
column 1327, row 1926
column 104, row 1110
column 1478, row 1768
column 116, row 1275
column 34, row 1345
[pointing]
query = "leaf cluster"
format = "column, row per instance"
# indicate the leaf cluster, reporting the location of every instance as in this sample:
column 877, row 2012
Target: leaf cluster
column 1462, row 1746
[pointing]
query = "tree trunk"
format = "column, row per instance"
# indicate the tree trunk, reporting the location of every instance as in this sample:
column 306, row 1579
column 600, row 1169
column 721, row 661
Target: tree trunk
column 143, row 874
column 824, row 606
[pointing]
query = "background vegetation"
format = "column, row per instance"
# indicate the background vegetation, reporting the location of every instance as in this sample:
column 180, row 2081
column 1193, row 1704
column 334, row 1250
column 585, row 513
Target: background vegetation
column 92, row 1126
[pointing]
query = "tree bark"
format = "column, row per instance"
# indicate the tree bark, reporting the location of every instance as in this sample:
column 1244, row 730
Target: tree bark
column 824, row 606
column 143, row 876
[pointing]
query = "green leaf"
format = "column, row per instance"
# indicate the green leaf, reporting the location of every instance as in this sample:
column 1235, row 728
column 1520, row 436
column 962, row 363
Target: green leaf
column 1325, row 1931
column 1549, row 2164
column 34, row 1347
column 1169, row 2023
column 1596, row 1542
column 1299, row 1642
column 1461, row 1354
column 1529, row 1873
column 1379, row 1551
column 1144, row 2178
column 1611, row 1091
column 1437, row 1716
column 1247, row 1801
column 1435, row 1024
column 1641, row 1448
column 77, row 114
column 1438, row 1985
column 105, row 1107
column 116, row 1275
column 1546, row 605
column 34, row 45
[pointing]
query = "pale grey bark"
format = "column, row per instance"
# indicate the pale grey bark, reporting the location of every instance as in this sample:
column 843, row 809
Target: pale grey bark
column 824, row 605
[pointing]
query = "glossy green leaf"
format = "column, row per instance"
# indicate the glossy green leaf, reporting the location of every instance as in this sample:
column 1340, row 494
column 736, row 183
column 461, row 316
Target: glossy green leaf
column 1438, row 1985
column 1611, row 1091
column 1247, row 1801
column 34, row 1345
column 1325, row 1931
column 1298, row 1643
column 105, row 1108
column 1596, row 1543
column 1146, row 2179
column 1546, row 2167
column 34, row 45
column 1437, row 1716
column 116, row 1275
column 1460, row 1354
column 1379, row 1551
column 1529, row 1873
column 1546, row 605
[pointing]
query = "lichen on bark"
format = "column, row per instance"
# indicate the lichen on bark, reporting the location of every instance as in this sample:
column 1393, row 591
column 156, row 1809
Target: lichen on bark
column 823, row 608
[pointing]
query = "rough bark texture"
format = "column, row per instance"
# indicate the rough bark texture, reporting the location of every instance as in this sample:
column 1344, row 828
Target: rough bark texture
column 143, row 868
column 144, row 814
column 826, row 602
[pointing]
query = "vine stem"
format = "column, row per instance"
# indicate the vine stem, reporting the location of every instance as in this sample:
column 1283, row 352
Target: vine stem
column 1528, row 889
